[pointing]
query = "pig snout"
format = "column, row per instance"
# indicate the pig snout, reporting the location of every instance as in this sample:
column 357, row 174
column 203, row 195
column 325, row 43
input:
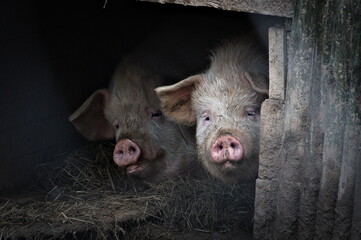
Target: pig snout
column 126, row 153
column 226, row 148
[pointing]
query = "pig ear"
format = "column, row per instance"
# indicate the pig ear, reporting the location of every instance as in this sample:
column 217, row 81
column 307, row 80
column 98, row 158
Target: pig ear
column 257, row 81
column 176, row 100
column 89, row 119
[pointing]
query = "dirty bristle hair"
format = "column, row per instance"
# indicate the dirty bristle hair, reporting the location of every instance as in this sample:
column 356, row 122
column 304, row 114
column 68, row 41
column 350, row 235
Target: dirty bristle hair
column 87, row 196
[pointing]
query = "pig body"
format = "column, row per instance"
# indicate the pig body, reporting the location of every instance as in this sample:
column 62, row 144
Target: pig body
column 224, row 102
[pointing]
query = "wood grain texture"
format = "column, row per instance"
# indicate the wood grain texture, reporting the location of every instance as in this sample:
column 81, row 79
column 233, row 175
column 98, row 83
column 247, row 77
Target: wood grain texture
column 281, row 8
column 319, row 176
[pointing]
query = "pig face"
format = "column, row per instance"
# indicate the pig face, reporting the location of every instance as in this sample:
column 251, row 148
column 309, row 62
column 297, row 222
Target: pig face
column 225, row 106
column 148, row 147
column 228, row 131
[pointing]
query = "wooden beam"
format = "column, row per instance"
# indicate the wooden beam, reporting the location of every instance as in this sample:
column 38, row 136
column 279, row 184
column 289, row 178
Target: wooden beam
column 281, row 8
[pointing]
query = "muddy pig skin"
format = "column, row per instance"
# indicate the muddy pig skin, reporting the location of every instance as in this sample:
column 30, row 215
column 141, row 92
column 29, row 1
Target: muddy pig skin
column 224, row 103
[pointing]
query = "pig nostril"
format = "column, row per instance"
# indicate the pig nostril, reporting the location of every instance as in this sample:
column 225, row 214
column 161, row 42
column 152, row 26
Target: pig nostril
column 233, row 145
column 132, row 149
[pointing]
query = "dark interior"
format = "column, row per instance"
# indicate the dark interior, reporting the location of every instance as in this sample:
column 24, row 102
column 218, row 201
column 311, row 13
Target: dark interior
column 54, row 54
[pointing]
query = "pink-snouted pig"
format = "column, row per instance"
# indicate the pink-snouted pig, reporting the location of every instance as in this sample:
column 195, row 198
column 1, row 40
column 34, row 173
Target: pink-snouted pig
column 149, row 147
column 224, row 103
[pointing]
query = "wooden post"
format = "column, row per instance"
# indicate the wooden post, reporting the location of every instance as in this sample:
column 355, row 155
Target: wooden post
column 271, row 134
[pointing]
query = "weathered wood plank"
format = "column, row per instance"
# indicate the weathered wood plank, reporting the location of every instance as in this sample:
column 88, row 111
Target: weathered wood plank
column 346, row 186
column 312, row 162
column 277, row 62
column 264, row 209
column 356, row 214
column 355, row 117
column 351, row 152
column 348, row 208
column 267, row 182
column 281, row 8
column 311, row 165
column 334, row 207
column 271, row 129
column 295, row 123
column 271, row 132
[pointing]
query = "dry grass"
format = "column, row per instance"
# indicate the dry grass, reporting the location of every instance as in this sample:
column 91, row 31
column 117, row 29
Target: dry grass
column 86, row 196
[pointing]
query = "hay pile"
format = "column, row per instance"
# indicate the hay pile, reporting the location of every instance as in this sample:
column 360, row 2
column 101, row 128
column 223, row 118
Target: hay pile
column 86, row 196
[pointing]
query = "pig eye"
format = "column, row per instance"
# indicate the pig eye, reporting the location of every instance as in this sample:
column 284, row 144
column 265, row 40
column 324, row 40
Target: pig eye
column 116, row 124
column 156, row 114
column 206, row 118
column 251, row 115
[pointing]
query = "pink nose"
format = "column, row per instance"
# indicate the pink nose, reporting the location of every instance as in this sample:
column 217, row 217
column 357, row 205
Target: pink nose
column 226, row 148
column 126, row 153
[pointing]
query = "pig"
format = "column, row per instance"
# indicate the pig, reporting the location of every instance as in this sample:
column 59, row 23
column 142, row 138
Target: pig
column 224, row 104
column 149, row 147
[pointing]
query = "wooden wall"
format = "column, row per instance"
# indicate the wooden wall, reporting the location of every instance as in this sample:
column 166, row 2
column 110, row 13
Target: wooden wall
column 310, row 160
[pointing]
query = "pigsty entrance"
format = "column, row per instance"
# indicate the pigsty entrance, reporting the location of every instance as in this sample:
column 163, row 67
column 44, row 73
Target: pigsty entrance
column 54, row 184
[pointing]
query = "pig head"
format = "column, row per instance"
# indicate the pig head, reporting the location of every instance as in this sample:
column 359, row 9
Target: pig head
column 149, row 147
column 224, row 104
